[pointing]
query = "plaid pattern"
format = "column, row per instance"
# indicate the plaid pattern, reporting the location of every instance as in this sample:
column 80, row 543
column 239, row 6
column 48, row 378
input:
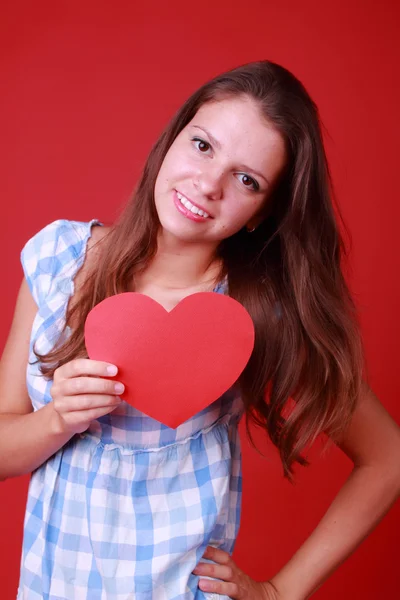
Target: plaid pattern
column 126, row 509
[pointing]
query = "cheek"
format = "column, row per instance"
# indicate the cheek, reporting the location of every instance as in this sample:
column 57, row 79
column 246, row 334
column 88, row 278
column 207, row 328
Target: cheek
column 239, row 214
column 175, row 166
column 164, row 172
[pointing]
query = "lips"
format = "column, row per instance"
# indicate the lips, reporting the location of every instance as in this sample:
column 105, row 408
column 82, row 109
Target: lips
column 203, row 212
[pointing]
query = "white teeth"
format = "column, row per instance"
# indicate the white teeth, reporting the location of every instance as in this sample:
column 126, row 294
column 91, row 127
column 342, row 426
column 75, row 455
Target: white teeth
column 187, row 204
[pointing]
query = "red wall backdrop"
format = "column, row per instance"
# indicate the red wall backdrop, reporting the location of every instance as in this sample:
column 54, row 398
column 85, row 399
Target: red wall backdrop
column 86, row 88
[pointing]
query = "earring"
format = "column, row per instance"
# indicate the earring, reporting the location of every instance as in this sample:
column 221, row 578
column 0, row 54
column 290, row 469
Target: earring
column 250, row 229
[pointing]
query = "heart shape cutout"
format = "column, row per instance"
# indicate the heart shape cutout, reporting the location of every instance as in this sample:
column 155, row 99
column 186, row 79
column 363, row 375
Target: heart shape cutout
column 173, row 364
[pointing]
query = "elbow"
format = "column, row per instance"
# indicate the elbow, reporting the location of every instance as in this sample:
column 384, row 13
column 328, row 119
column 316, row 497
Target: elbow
column 385, row 473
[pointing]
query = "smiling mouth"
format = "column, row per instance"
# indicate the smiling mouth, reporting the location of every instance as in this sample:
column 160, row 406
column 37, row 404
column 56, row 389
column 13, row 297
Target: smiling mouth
column 192, row 207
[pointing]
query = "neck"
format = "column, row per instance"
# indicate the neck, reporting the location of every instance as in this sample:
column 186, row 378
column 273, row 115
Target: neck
column 180, row 265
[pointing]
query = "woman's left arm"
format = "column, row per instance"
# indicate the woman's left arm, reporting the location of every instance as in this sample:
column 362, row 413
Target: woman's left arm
column 372, row 442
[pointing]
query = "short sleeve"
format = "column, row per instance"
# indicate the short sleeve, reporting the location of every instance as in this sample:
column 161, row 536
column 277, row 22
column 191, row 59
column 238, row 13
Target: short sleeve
column 38, row 259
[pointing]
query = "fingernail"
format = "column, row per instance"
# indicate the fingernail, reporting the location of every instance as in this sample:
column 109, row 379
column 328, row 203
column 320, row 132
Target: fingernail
column 119, row 388
column 112, row 370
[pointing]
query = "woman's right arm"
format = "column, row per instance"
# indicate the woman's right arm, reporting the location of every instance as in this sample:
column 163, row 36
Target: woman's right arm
column 27, row 438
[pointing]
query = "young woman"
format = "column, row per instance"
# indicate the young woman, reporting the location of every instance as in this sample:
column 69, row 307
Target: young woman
column 234, row 198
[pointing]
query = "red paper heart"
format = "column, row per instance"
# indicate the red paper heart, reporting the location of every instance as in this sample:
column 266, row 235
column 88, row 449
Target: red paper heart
column 173, row 364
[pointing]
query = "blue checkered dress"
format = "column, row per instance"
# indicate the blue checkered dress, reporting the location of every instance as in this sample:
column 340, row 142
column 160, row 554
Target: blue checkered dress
column 126, row 509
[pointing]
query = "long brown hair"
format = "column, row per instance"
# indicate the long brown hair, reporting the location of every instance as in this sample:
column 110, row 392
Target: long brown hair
column 287, row 274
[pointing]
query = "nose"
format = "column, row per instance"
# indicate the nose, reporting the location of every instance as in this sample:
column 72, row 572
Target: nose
column 209, row 183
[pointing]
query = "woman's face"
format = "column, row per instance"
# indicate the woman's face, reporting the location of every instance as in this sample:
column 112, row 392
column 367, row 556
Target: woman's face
column 225, row 164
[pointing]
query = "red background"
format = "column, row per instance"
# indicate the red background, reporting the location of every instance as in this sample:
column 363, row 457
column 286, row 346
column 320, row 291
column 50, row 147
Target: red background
column 86, row 88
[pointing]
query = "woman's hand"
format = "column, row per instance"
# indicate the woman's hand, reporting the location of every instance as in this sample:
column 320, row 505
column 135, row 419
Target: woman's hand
column 234, row 583
column 81, row 393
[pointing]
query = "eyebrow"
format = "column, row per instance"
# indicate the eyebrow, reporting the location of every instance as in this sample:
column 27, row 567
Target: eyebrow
column 218, row 145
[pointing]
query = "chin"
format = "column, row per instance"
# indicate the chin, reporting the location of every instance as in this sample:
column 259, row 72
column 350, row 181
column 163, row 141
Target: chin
column 172, row 229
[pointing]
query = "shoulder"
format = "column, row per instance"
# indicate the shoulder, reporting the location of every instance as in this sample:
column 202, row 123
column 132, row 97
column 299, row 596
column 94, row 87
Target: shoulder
column 97, row 234
column 94, row 246
column 53, row 249
column 60, row 234
column 92, row 255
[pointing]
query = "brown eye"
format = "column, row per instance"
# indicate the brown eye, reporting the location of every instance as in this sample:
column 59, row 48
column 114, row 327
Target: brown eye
column 203, row 146
column 249, row 181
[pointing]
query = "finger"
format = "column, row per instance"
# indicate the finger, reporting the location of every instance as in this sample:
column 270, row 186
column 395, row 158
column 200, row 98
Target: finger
column 89, row 385
column 217, row 555
column 86, row 402
column 88, row 415
column 222, row 588
column 85, row 366
column 223, row 572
